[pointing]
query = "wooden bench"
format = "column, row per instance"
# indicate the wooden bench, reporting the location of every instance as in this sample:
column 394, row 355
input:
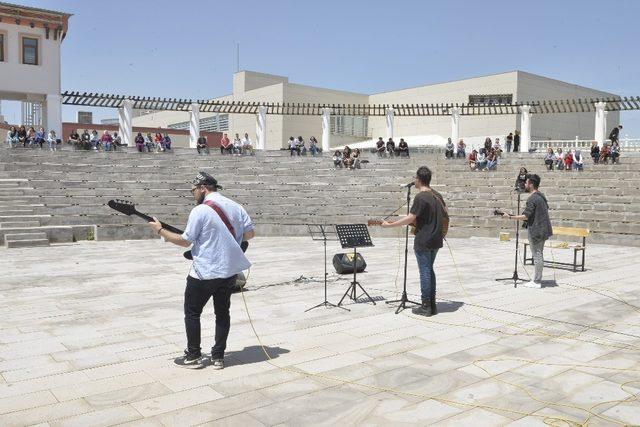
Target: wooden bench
column 566, row 231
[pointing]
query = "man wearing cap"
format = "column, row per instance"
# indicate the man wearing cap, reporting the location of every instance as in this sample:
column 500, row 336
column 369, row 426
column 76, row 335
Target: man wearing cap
column 215, row 230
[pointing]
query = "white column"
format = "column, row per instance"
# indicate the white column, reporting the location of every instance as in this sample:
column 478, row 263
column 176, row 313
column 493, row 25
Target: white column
column 194, row 125
column 54, row 114
column 604, row 126
column 525, row 128
column 326, row 130
column 125, row 121
column 261, row 128
column 599, row 133
column 389, row 117
column 455, row 126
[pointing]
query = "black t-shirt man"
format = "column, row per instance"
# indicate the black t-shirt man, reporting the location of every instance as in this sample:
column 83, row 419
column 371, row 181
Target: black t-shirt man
column 430, row 213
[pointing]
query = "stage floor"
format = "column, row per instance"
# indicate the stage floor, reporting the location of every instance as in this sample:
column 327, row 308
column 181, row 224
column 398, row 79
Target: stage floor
column 89, row 332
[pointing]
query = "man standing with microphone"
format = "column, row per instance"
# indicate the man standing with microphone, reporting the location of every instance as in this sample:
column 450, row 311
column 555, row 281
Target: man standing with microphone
column 427, row 213
column 536, row 213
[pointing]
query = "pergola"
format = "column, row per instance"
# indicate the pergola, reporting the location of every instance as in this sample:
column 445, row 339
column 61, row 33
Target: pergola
column 125, row 105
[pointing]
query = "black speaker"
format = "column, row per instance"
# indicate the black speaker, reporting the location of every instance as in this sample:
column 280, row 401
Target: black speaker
column 343, row 263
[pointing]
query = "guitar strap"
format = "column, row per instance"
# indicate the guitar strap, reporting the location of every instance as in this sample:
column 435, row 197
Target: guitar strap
column 223, row 217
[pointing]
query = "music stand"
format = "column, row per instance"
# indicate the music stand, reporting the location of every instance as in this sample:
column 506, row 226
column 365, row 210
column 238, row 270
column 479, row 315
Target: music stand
column 354, row 236
column 323, row 232
column 515, row 277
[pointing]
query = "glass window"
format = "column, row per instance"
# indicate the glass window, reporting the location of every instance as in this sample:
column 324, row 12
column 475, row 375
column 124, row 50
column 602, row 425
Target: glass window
column 29, row 51
column 1, row 47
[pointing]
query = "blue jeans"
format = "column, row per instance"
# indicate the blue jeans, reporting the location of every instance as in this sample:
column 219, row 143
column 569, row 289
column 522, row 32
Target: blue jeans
column 427, row 275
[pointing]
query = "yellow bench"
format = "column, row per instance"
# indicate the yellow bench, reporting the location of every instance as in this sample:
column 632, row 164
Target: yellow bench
column 566, row 231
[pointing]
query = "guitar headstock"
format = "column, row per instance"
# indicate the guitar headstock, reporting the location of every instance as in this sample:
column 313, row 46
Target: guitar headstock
column 122, row 206
column 497, row 212
column 374, row 222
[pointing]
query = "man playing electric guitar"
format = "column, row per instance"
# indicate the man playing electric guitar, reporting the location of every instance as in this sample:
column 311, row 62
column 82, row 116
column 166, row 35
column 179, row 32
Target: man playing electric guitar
column 216, row 228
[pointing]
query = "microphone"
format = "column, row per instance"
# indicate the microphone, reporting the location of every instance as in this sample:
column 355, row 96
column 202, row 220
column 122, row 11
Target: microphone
column 409, row 185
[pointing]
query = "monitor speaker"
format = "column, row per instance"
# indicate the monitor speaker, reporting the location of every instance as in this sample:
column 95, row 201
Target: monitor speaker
column 343, row 263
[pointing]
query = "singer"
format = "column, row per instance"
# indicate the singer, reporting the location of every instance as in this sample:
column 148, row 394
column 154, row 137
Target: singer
column 428, row 213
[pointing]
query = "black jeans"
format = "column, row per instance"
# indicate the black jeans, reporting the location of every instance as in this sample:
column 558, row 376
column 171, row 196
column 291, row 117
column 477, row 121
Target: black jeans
column 196, row 296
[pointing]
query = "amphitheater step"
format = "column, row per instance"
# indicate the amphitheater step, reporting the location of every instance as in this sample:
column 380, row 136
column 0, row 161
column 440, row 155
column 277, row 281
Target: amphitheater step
column 19, row 224
column 25, row 240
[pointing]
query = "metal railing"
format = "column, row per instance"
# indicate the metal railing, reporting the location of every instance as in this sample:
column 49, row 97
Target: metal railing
column 626, row 144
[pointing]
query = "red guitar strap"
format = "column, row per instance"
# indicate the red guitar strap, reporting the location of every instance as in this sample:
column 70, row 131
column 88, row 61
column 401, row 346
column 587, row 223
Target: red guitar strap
column 223, row 217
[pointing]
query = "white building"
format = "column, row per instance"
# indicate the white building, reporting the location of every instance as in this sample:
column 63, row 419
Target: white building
column 30, row 41
column 513, row 86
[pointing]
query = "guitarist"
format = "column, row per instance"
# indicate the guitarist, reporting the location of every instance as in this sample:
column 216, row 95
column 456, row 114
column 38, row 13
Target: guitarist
column 428, row 213
column 215, row 229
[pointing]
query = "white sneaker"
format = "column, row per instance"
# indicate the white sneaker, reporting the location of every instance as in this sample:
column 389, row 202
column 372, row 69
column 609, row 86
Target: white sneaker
column 532, row 284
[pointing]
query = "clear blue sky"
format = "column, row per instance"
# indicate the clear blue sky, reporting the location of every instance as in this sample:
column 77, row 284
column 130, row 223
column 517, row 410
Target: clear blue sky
column 187, row 49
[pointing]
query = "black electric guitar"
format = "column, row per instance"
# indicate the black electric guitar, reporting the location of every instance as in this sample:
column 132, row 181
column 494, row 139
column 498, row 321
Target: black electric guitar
column 128, row 208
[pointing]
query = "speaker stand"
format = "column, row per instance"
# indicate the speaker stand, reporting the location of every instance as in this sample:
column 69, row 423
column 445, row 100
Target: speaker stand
column 351, row 290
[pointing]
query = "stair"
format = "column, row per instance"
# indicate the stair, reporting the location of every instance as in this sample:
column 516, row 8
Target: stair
column 25, row 240
column 19, row 224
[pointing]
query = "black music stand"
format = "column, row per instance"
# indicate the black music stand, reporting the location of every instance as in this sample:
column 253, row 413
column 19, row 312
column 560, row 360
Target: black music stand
column 323, row 232
column 515, row 277
column 354, row 236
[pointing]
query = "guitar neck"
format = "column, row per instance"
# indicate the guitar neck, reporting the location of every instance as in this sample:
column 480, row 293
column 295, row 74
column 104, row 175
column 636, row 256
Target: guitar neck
column 164, row 225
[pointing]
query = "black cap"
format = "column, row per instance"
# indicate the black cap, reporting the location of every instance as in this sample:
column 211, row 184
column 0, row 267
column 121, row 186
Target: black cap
column 204, row 178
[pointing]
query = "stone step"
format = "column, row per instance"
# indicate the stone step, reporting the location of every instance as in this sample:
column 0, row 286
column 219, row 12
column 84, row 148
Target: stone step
column 19, row 224
column 26, row 236
column 26, row 243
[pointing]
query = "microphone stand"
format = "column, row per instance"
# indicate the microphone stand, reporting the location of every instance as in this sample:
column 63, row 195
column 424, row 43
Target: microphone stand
column 404, row 299
column 515, row 277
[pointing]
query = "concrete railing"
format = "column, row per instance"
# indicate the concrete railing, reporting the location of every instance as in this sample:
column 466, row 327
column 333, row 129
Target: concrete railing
column 626, row 144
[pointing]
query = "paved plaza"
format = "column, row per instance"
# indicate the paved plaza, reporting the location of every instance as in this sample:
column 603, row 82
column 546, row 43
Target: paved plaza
column 89, row 333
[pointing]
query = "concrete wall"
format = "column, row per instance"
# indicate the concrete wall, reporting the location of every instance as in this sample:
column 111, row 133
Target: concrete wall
column 532, row 87
column 18, row 79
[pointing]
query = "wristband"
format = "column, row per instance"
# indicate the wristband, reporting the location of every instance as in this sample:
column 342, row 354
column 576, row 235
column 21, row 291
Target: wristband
column 160, row 230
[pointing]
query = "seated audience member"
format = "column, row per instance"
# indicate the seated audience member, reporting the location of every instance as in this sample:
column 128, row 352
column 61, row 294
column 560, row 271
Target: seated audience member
column 41, row 137
column 237, row 145
column 568, row 161
column 595, row 152
column 605, row 154
column 461, row 149
column 12, row 137
column 301, row 146
column 448, row 149
column 74, row 139
column 201, row 145
column 481, row 160
column 225, row 145
column 487, row 144
column 615, row 152
column 117, row 141
column 355, row 159
column 497, row 148
column 52, row 140
column 95, row 139
column 521, row 179
column 313, row 146
column 158, row 140
column 549, row 159
column 139, row 142
column 148, row 142
column 492, row 160
column 577, row 160
column 22, row 135
column 347, row 150
column 403, row 148
column 247, row 145
column 106, row 140
column 85, row 139
column 559, row 159
column 31, row 137
column 293, row 147
column 391, row 147
column 166, row 141
column 380, row 148
column 337, row 159
column 473, row 160
column 347, row 160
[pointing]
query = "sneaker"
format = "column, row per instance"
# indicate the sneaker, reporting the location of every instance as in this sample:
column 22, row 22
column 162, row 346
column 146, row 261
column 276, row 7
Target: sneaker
column 217, row 363
column 189, row 360
column 532, row 284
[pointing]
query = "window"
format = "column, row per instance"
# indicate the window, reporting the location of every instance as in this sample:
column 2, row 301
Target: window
column 216, row 123
column 349, row 125
column 503, row 98
column 1, row 47
column 30, row 51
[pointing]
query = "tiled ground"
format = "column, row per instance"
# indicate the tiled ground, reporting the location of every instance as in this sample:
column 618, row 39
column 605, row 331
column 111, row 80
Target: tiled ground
column 89, row 331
